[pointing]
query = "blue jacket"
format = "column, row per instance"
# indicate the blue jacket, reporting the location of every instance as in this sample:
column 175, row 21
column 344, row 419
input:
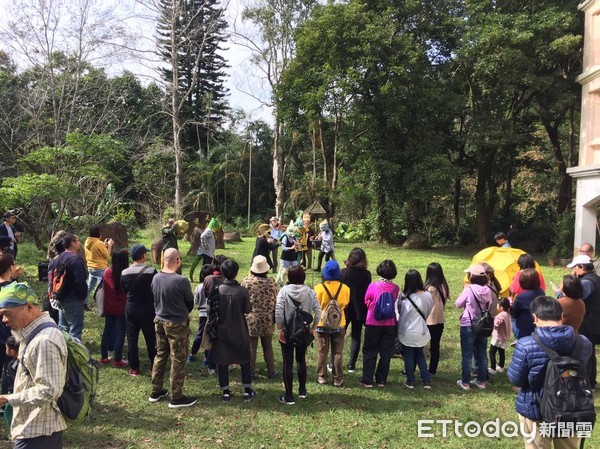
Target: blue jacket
column 528, row 367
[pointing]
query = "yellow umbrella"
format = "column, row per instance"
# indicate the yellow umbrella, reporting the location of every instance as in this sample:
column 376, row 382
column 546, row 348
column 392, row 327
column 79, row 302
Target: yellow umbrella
column 504, row 262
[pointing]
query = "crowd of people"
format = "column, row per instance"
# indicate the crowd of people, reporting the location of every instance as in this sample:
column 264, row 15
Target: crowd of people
column 234, row 316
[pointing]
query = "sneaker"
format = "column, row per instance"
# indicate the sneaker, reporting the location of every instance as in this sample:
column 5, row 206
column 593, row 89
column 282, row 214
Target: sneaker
column 322, row 381
column 183, row 401
column 402, row 372
column 302, row 394
column 427, row 385
column 272, row 375
column 329, row 367
column 492, row 371
column 212, row 371
column 104, row 361
column 191, row 358
column 499, row 369
column 285, row 401
column 381, row 384
column 463, row 385
column 120, row 363
column 513, row 344
column 338, row 384
column 226, row 397
column 480, row 385
column 409, row 385
column 134, row 372
column 155, row 397
column 204, row 362
column 248, row 396
column 365, row 384
column 351, row 369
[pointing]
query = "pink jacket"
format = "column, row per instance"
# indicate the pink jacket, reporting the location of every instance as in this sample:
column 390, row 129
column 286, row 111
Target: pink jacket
column 373, row 292
column 502, row 327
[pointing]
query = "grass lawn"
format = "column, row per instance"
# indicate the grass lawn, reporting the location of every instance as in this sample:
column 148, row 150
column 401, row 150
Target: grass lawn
column 347, row 417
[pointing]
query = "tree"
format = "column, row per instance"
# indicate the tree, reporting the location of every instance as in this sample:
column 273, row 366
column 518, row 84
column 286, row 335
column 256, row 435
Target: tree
column 180, row 35
column 276, row 21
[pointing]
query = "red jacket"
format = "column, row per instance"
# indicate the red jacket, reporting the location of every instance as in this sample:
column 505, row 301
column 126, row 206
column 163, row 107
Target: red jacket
column 114, row 302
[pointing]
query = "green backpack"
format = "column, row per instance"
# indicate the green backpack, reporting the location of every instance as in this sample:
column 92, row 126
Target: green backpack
column 79, row 394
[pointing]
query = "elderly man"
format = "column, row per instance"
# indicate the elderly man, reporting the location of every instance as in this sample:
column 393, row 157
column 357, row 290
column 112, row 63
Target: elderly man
column 583, row 268
column 173, row 301
column 588, row 250
column 40, row 378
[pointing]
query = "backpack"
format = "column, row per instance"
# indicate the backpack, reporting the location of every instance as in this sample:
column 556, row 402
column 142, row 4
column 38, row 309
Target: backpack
column 384, row 307
column 79, row 394
column 214, row 302
column 331, row 315
column 567, row 394
column 298, row 324
column 59, row 279
column 484, row 326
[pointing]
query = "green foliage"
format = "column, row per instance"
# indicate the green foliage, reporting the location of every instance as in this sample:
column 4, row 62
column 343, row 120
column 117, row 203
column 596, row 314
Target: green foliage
column 565, row 236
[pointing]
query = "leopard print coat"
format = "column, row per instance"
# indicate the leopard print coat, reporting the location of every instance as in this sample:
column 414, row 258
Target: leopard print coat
column 263, row 296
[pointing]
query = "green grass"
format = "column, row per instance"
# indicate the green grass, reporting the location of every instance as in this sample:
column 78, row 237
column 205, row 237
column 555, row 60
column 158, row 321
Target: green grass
column 330, row 417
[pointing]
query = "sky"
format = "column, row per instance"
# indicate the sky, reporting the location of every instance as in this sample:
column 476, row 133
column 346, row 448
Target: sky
column 137, row 21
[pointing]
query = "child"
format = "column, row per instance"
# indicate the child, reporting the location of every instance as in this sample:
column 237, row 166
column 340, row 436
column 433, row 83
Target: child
column 8, row 376
column 500, row 336
column 200, row 303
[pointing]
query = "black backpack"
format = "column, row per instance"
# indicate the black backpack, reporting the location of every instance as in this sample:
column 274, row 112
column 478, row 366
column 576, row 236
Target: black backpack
column 484, row 325
column 298, row 324
column 214, row 304
column 567, row 394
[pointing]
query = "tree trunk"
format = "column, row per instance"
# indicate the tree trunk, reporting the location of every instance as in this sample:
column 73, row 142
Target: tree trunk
column 278, row 170
column 482, row 209
column 564, row 180
column 456, row 208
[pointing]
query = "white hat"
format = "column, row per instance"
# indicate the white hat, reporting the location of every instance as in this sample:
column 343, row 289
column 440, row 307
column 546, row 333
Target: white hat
column 259, row 265
column 580, row 260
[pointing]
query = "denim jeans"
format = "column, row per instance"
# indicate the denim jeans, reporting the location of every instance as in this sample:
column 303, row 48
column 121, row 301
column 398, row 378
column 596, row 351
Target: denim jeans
column 70, row 316
column 114, row 327
column 471, row 346
column 415, row 357
column 94, row 278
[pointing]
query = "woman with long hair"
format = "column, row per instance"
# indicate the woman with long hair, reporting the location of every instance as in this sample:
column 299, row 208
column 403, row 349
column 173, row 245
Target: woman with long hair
column 115, row 300
column 414, row 308
column 436, row 285
column 357, row 277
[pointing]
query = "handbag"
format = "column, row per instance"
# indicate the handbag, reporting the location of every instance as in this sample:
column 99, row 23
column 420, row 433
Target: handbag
column 99, row 298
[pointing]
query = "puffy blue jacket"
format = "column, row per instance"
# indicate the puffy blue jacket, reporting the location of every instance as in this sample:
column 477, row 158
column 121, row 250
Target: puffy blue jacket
column 528, row 366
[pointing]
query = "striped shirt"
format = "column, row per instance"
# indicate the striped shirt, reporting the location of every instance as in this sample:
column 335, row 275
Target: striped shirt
column 39, row 385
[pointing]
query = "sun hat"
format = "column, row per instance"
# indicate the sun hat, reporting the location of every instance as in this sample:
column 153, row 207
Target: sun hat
column 581, row 259
column 476, row 270
column 259, row 265
column 331, row 271
column 17, row 294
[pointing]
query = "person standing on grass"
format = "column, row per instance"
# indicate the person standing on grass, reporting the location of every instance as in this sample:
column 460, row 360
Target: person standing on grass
column 37, row 422
column 201, row 304
column 379, row 333
column 527, row 369
column 292, row 295
column 210, row 283
column 356, row 276
column 583, row 268
column 500, row 336
column 139, row 310
column 8, row 230
column 232, row 345
column 97, row 253
column 436, row 285
column 275, row 233
column 173, row 301
column 206, row 249
column 75, row 289
column 263, row 295
column 569, row 297
column 475, row 298
column 520, row 310
column 331, row 288
column 414, row 306
column 115, row 299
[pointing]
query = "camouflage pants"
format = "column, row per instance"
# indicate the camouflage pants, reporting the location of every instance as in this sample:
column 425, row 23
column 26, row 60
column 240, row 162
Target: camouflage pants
column 171, row 339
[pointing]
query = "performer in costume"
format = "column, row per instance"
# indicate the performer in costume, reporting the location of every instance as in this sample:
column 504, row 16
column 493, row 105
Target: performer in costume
column 326, row 238
column 289, row 256
column 206, row 249
column 302, row 241
column 264, row 243
column 276, row 234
